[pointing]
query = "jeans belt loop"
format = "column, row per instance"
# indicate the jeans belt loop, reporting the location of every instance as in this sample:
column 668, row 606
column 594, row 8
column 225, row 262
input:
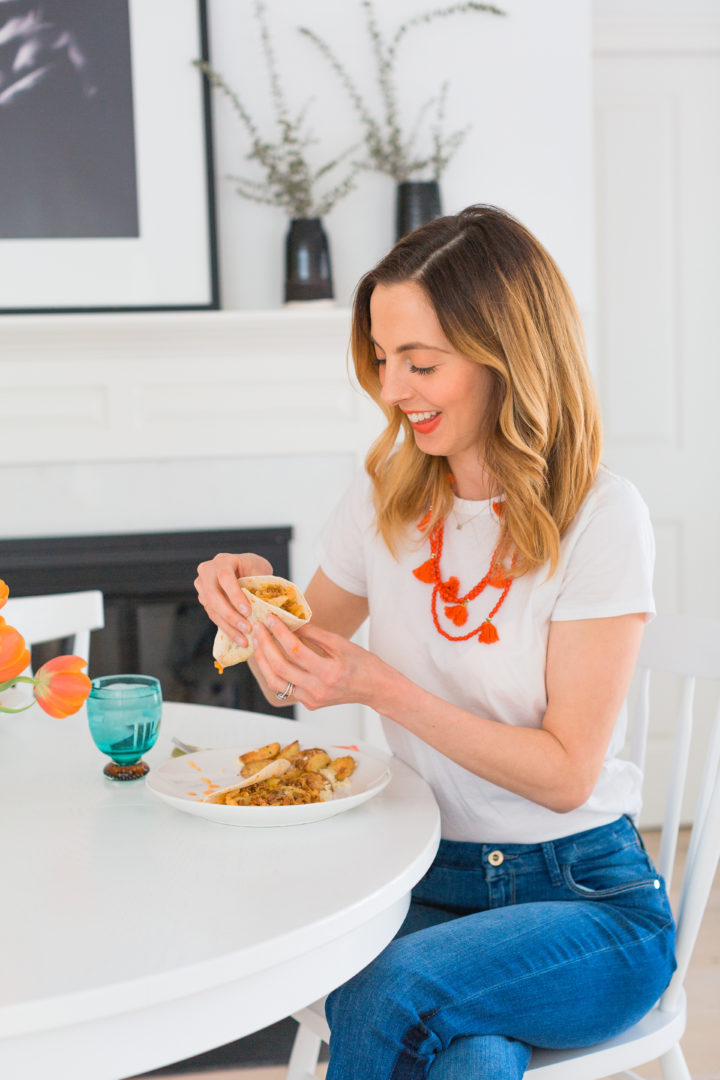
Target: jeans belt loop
column 635, row 829
column 548, row 850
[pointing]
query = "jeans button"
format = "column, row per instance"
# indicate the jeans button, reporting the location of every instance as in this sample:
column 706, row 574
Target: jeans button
column 496, row 858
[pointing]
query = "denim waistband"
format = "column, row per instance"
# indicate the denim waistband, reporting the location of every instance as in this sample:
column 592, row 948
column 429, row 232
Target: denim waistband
column 528, row 857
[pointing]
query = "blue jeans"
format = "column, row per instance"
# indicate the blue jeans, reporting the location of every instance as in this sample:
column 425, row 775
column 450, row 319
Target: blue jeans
column 506, row 947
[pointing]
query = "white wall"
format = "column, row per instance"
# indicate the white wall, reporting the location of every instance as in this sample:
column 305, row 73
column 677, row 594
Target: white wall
column 522, row 81
column 657, row 92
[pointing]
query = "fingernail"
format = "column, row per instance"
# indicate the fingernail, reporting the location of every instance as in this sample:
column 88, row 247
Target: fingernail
column 245, row 626
column 240, row 641
column 271, row 621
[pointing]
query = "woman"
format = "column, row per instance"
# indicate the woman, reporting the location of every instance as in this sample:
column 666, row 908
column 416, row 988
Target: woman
column 507, row 576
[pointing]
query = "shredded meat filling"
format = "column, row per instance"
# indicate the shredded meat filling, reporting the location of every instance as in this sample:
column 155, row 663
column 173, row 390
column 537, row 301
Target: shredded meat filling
column 279, row 596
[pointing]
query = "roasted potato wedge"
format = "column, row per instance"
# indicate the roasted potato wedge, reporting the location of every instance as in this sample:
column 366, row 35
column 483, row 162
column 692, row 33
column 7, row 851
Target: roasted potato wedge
column 264, row 752
column 254, row 767
column 343, row 767
column 290, row 751
column 312, row 760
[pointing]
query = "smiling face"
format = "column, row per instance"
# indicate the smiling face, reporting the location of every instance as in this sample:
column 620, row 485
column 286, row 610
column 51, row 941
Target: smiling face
column 444, row 395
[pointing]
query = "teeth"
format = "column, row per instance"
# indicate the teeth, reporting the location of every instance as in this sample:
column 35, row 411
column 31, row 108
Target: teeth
column 419, row 417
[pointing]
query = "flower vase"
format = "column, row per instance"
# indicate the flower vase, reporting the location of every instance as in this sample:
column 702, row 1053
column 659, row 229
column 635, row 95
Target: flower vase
column 417, row 202
column 307, row 261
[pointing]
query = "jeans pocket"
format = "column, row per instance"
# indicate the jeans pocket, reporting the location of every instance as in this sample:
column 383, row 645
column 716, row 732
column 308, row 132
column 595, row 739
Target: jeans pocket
column 600, row 878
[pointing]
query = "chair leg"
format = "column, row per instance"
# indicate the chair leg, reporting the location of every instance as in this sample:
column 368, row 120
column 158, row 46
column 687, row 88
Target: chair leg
column 304, row 1055
column 674, row 1066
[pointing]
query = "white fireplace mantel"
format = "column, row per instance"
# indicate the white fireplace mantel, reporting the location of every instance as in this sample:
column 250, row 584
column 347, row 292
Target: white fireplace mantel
column 127, row 387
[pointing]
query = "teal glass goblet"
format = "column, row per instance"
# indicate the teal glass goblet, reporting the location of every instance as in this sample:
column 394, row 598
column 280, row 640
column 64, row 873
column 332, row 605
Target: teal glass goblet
column 124, row 716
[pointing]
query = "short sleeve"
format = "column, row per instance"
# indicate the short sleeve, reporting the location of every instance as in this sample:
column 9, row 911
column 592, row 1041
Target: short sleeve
column 341, row 548
column 610, row 556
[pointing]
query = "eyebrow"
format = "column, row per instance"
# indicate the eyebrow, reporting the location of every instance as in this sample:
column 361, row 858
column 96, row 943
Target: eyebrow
column 411, row 345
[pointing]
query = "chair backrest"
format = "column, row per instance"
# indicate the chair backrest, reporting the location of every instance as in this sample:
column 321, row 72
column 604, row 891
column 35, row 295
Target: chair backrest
column 59, row 615
column 688, row 647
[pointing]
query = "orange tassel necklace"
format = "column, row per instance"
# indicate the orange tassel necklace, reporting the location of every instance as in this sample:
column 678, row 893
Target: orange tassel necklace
column 447, row 591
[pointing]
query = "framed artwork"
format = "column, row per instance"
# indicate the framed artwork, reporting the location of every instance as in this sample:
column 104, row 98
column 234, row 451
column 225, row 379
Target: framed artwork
column 106, row 184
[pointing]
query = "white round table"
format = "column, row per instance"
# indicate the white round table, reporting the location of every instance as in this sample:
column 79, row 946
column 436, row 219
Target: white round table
column 134, row 935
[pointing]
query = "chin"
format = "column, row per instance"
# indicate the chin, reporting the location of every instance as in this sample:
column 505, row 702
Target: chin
column 431, row 451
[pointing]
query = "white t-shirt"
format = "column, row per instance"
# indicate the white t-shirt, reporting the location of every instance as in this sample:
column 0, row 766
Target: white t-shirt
column 605, row 569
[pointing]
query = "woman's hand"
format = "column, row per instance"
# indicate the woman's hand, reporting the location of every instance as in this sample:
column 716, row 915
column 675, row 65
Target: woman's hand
column 324, row 668
column 221, row 596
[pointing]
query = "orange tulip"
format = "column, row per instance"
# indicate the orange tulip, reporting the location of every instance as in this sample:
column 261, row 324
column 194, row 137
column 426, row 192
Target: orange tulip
column 4, row 593
column 14, row 653
column 60, row 685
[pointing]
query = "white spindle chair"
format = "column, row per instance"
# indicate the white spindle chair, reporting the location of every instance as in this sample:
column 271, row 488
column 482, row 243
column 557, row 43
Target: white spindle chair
column 58, row 615
column 688, row 647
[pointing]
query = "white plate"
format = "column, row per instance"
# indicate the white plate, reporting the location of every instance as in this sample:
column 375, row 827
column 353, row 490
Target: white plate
column 183, row 782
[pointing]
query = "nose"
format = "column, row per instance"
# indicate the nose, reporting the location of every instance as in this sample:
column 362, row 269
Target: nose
column 393, row 386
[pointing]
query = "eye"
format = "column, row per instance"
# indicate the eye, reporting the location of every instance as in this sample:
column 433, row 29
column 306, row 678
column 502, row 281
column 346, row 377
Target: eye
column 378, row 360
column 421, row 370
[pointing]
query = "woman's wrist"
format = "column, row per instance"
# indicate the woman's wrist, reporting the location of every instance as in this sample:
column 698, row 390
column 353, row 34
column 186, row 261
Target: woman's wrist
column 385, row 688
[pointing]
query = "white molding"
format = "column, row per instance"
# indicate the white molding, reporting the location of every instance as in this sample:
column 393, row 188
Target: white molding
column 169, row 334
column 655, row 35
column 118, row 388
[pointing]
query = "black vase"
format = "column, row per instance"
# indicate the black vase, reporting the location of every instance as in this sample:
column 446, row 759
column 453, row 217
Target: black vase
column 307, row 261
column 417, row 202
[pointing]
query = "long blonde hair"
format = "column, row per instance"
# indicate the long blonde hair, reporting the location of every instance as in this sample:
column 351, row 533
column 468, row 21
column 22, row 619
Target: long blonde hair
column 502, row 302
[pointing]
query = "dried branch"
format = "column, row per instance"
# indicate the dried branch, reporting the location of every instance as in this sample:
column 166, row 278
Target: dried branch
column 290, row 182
column 388, row 151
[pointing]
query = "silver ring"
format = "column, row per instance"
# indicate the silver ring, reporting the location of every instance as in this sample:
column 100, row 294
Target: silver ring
column 283, row 695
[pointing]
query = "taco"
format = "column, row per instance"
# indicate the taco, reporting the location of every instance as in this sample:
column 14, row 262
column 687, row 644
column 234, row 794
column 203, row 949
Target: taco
column 268, row 595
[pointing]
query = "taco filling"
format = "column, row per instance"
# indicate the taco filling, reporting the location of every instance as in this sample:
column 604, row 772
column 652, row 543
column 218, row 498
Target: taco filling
column 282, row 596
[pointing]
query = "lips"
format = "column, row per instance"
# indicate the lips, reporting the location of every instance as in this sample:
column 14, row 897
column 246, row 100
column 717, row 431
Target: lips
column 424, row 422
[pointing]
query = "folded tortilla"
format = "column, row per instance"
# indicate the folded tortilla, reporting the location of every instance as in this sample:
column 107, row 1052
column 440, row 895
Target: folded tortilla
column 268, row 595
column 271, row 768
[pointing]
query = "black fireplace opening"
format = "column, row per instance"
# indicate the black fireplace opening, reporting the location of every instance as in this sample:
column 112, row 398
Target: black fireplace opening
column 153, row 622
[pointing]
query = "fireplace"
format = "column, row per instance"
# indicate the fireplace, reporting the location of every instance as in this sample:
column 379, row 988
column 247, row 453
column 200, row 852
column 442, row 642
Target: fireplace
column 158, row 423
column 153, row 623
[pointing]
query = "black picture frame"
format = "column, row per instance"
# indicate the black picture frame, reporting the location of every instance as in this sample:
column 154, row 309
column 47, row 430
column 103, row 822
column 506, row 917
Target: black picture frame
column 107, row 187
